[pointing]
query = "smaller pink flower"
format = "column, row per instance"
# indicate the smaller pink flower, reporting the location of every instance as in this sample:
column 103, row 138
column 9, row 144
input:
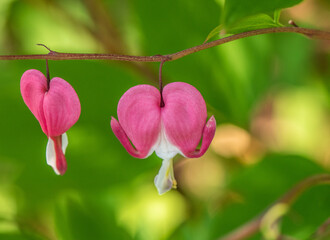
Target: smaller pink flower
column 176, row 127
column 57, row 108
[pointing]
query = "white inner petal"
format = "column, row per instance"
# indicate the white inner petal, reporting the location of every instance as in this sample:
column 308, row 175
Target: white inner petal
column 163, row 148
column 51, row 154
column 165, row 181
column 65, row 142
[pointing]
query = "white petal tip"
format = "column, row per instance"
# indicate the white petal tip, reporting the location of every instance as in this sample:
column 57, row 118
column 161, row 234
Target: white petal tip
column 51, row 155
column 65, row 142
column 163, row 186
column 164, row 181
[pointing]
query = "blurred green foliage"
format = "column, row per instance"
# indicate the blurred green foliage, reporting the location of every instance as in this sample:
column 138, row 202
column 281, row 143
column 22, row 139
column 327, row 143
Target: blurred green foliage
column 275, row 87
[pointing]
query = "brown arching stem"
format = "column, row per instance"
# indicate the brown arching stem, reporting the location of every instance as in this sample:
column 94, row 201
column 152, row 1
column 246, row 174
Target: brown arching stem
column 50, row 51
column 52, row 55
column 253, row 226
column 162, row 104
column 47, row 73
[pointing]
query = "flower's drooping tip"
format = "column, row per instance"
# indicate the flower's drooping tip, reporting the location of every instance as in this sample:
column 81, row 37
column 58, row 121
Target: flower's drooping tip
column 144, row 126
column 55, row 151
column 57, row 108
column 165, row 181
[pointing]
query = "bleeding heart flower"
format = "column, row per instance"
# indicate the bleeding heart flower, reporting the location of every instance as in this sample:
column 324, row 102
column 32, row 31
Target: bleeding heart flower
column 57, row 108
column 176, row 127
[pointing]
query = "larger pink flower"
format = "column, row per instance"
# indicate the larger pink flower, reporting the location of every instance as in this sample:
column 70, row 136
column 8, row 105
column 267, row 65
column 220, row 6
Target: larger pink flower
column 177, row 127
column 56, row 106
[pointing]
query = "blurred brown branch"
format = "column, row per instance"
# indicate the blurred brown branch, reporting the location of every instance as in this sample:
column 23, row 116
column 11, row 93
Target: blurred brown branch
column 323, row 232
column 251, row 227
column 312, row 33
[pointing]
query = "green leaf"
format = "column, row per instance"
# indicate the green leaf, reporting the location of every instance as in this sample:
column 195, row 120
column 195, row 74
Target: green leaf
column 277, row 15
column 215, row 31
column 250, row 23
column 258, row 21
column 238, row 9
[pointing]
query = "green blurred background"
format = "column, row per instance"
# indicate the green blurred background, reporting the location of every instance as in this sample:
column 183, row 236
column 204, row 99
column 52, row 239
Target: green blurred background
column 269, row 94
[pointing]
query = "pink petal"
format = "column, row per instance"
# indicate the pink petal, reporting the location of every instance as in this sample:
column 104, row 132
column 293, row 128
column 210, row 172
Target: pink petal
column 33, row 88
column 61, row 107
column 57, row 108
column 208, row 134
column 139, row 117
column 121, row 135
column 184, row 116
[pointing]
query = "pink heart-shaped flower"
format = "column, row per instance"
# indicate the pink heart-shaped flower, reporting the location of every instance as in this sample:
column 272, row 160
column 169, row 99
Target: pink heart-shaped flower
column 177, row 127
column 57, row 108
